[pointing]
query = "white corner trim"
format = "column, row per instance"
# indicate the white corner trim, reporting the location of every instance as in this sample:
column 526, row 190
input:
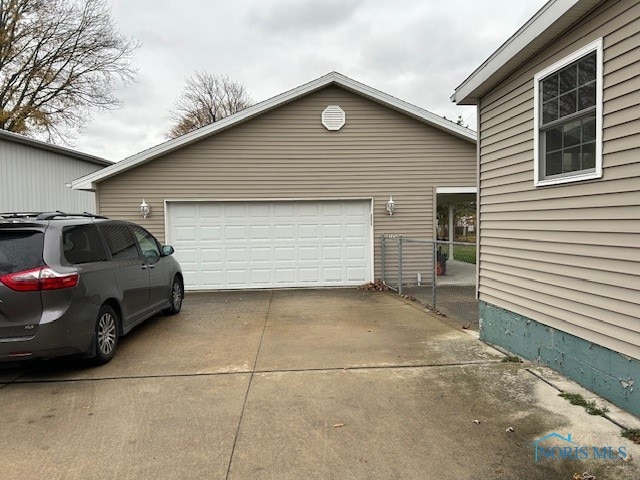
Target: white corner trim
column 595, row 46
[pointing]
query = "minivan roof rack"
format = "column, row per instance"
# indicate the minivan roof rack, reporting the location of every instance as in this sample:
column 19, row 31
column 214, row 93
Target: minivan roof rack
column 48, row 215
column 58, row 213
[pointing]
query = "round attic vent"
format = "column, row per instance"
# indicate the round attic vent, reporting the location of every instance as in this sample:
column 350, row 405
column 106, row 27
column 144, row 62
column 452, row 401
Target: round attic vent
column 333, row 117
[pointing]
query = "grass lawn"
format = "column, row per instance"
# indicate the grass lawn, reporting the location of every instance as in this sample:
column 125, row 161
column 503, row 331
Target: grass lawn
column 462, row 253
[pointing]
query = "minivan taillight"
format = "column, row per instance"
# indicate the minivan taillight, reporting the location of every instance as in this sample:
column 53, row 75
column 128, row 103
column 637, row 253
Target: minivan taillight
column 42, row 278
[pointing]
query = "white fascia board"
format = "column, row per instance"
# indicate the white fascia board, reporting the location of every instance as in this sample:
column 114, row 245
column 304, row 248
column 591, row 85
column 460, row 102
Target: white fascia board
column 552, row 13
column 88, row 182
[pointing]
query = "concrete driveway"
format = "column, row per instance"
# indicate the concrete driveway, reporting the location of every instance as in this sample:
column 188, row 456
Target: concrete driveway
column 327, row 384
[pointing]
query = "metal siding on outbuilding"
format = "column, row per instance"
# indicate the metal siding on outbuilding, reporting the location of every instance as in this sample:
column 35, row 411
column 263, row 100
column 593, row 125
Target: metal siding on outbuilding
column 34, row 179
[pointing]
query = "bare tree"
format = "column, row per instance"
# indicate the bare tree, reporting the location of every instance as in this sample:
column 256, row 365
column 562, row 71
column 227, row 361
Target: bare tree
column 58, row 60
column 207, row 98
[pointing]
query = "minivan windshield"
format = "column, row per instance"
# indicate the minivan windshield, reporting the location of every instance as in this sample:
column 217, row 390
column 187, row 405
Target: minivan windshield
column 20, row 250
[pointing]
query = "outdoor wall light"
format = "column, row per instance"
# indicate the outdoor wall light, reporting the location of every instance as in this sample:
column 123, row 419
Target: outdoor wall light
column 145, row 209
column 391, row 206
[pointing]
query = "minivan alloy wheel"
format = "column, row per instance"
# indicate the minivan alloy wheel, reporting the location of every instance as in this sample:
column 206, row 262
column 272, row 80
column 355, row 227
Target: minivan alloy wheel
column 175, row 300
column 176, row 297
column 107, row 333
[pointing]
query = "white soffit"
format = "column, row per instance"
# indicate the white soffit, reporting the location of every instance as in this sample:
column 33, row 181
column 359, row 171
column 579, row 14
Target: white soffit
column 547, row 24
column 456, row 190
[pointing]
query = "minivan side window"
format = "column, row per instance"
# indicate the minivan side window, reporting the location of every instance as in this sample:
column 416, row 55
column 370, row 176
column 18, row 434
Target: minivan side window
column 120, row 241
column 82, row 244
column 147, row 243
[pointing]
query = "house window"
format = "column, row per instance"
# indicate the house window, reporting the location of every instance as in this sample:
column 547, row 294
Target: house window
column 568, row 118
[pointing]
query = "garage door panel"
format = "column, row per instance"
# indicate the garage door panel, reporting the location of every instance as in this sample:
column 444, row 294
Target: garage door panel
column 356, row 274
column 356, row 231
column 332, row 232
column 310, row 253
column 271, row 244
column 259, row 233
column 213, row 234
column 308, row 232
column 260, row 255
column 356, row 253
column 186, row 234
column 309, row 275
column 285, row 276
column 210, row 210
column 284, row 232
column 332, row 253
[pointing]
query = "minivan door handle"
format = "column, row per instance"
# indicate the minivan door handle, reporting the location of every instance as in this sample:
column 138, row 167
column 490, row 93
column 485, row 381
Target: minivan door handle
column 143, row 266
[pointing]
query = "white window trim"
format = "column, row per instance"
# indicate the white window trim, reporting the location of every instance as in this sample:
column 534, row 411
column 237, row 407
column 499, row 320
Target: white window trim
column 577, row 177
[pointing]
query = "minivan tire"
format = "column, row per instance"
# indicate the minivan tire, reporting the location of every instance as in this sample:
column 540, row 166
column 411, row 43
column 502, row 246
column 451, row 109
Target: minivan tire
column 175, row 300
column 107, row 334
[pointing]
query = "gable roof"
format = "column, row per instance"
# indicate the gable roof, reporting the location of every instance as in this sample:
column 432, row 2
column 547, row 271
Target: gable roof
column 549, row 22
column 89, row 182
column 67, row 152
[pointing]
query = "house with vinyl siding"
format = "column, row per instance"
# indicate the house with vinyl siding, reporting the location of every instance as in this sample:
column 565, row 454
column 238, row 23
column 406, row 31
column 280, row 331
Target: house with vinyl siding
column 559, row 193
column 34, row 176
column 293, row 191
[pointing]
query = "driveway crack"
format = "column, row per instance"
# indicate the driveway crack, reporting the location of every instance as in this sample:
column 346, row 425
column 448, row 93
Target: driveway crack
column 246, row 395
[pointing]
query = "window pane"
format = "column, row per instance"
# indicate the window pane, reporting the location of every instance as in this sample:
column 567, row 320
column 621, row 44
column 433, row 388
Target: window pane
column 589, row 128
column 20, row 250
column 121, row 243
column 587, row 69
column 553, row 139
column 571, row 160
column 568, row 104
column 571, row 133
column 147, row 243
column 82, row 244
column 550, row 111
column 553, row 163
column 587, row 96
column 550, row 88
column 589, row 155
column 568, row 78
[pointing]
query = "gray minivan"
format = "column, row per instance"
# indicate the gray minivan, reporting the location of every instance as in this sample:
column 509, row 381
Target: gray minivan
column 74, row 284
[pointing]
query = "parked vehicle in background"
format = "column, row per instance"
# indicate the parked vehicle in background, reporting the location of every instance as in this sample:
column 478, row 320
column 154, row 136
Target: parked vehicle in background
column 75, row 283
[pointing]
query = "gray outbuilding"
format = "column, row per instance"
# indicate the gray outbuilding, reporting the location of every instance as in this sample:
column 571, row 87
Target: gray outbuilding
column 34, row 176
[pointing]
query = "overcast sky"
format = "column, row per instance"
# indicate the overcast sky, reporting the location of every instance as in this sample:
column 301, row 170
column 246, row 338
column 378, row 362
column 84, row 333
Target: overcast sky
column 416, row 50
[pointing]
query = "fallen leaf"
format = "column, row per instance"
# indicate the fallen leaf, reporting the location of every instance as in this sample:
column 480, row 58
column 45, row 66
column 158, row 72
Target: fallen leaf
column 338, row 425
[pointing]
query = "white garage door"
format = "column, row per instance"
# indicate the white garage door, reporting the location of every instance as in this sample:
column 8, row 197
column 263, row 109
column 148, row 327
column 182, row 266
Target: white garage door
column 233, row 245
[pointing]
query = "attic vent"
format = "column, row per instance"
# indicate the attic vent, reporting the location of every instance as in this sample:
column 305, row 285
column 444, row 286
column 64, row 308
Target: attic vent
column 333, row 117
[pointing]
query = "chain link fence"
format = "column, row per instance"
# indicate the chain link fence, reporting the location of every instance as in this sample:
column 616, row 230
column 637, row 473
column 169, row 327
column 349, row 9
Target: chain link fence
column 439, row 274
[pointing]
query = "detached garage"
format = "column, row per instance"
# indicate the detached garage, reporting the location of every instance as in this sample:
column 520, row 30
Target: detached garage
column 292, row 192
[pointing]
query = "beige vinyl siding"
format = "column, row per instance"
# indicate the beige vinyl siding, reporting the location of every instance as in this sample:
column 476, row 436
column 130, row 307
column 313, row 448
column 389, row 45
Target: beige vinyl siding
column 567, row 255
column 287, row 154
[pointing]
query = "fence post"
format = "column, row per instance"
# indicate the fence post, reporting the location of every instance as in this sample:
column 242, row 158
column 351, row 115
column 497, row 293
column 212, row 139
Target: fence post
column 400, row 264
column 434, row 273
column 382, row 258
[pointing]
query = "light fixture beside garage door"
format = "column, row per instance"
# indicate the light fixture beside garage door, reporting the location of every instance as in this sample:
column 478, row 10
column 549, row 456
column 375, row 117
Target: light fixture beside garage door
column 333, row 117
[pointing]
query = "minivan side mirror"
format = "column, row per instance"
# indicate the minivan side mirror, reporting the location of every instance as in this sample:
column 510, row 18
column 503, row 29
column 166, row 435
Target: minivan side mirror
column 167, row 250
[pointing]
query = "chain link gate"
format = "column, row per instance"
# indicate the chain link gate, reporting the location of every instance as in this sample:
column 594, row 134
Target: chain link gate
column 439, row 274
